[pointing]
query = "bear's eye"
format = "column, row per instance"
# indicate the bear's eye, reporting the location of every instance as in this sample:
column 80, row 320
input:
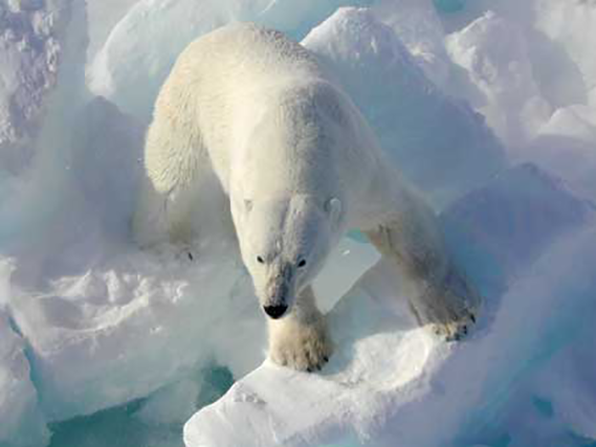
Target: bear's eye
column 302, row 263
column 260, row 260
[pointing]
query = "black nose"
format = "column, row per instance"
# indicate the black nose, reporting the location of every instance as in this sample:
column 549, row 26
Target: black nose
column 275, row 311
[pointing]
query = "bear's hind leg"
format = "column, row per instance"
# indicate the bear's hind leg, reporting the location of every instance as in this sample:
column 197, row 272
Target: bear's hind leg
column 177, row 169
column 301, row 340
column 407, row 231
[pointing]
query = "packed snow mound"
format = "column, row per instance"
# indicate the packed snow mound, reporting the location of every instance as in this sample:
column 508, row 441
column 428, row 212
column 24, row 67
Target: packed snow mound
column 440, row 144
column 494, row 53
column 418, row 26
column 388, row 377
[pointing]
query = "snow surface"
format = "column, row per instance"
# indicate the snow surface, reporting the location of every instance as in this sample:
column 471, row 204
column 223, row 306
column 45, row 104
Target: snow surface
column 487, row 106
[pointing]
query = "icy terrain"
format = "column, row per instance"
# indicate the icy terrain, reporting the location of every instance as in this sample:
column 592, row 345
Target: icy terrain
column 489, row 107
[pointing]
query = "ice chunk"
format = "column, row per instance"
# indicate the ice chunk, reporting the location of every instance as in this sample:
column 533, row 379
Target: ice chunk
column 494, row 53
column 417, row 25
column 94, row 331
column 103, row 16
column 151, row 422
column 557, row 34
column 571, row 25
column 566, row 146
column 22, row 422
column 577, row 122
column 440, row 144
column 32, row 47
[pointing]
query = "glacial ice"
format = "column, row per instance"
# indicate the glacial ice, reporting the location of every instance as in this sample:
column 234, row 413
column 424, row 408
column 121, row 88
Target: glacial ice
column 102, row 344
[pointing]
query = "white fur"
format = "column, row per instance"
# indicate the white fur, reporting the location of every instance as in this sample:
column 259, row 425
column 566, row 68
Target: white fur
column 298, row 165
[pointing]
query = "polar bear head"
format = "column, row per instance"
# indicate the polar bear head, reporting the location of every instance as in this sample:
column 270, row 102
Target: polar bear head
column 284, row 243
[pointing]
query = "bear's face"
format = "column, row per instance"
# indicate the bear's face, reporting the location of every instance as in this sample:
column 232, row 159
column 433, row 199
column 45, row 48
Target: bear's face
column 284, row 245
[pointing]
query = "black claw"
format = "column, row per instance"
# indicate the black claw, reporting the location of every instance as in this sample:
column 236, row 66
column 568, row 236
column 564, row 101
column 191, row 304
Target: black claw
column 190, row 256
column 473, row 318
column 309, row 369
column 465, row 330
column 326, row 359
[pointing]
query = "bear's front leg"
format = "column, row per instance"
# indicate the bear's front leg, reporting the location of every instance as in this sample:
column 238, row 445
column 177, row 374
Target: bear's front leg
column 439, row 293
column 408, row 232
column 301, row 340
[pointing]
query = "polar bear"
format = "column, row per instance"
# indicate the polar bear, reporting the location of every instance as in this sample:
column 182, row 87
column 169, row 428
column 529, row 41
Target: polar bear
column 251, row 117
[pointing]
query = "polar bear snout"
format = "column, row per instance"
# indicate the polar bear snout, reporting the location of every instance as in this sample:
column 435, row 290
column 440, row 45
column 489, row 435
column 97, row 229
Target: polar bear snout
column 278, row 296
column 276, row 311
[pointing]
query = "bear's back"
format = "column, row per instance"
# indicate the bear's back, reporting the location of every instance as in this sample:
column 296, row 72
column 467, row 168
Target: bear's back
column 224, row 82
column 257, row 55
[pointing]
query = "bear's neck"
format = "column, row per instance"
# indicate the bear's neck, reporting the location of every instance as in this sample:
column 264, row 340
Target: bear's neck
column 288, row 152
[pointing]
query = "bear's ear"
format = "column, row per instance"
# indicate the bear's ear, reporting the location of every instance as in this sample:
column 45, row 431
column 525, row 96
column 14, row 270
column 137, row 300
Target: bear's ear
column 333, row 208
column 248, row 205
